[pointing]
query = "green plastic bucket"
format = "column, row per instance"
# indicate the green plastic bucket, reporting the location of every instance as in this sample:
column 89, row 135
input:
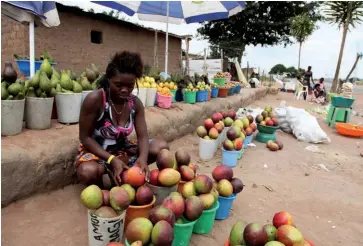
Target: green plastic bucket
column 220, row 81
column 183, row 233
column 240, row 154
column 173, row 92
column 205, row 223
column 190, row 97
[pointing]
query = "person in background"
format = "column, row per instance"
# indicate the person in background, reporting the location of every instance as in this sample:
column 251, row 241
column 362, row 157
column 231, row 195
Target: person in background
column 108, row 116
column 319, row 89
column 307, row 78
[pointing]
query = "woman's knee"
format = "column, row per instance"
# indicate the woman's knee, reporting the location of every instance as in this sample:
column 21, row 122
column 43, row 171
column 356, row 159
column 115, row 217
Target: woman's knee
column 89, row 172
column 157, row 145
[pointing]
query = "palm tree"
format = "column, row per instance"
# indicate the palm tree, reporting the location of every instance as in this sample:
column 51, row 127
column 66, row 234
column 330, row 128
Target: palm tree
column 302, row 26
column 357, row 58
column 345, row 14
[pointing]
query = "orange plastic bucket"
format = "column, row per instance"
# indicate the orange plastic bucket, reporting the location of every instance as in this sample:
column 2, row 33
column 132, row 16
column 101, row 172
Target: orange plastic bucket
column 348, row 129
column 134, row 212
column 227, row 242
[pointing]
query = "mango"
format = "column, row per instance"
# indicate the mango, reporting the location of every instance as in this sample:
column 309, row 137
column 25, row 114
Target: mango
column 119, row 198
column 225, row 188
column 135, row 177
column 207, row 200
column 188, row 190
column 203, row 184
column 92, row 197
column 222, row 172
column 130, row 190
column 162, row 233
column 193, row 208
column 139, row 229
column 168, row 177
column 106, row 212
column 159, row 213
column 144, row 195
column 236, row 235
column 175, row 202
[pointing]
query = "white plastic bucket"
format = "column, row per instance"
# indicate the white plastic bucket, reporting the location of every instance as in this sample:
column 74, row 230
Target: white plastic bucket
column 150, row 97
column 68, row 107
column 38, row 113
column 207, row 148
column 12, row 115
column 101, row 231
column 141, row 94
column 84, row 94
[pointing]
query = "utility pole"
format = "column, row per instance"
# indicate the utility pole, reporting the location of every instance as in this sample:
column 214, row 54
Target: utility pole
column 156, row 50
column 221, row 60
column 248, row 68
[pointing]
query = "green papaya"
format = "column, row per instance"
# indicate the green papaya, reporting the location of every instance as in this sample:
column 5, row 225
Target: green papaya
column 31, row 92
column 44, row 83
column 43, row 95
column 20, row 96
column 94, row 86
column 46, row 67
column 4, row 85
column 10, row 97
column 66, row 91
column 85, row 84
column 77, row 88
column 53, row 92
column 58, row 88
column 27, row 84
column 73, row 75
column 14, row 89
column 56, row 74
column 4, row 93
column 95, row 69
column 54, row 81
column 83, row 74
column 34, row 81
column 65, row 81
column 38, row 92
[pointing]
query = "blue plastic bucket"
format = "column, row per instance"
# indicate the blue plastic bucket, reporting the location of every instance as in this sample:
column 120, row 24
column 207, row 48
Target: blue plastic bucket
column 214, row 92
column 205, row 96
column 229, row 157
column 247, row 141
column 240, row 154
column 237, row 89
column 225, row 206
column 200, row 97
column 24, row 66
column 230, row 91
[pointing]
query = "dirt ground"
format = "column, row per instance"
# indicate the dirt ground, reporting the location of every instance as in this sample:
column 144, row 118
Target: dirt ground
column 326, row 205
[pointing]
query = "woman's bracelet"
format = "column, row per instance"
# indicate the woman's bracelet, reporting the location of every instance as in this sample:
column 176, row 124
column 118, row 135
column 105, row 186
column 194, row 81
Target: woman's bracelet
column 110, row 159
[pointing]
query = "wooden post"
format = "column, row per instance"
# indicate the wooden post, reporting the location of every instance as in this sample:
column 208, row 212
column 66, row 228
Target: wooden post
column 187, row 39
column 221, row 60
column 156, row 63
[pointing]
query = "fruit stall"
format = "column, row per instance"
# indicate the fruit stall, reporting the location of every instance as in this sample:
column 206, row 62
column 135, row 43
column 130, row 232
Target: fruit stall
column 52, row 94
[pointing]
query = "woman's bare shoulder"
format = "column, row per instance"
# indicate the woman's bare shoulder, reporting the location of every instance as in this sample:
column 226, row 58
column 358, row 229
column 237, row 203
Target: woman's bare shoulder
column 94, row 99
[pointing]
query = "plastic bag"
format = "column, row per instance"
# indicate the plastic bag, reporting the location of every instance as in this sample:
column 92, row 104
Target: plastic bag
column 280, row 112
column 305, row 127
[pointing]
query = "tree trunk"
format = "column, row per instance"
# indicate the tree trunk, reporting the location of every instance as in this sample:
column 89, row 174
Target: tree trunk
column 298, row 64
column 187, row 55
column 335, row 84
column 354, row 65
column 240, row 55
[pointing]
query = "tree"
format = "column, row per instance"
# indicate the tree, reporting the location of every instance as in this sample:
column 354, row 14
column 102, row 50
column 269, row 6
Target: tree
column 302, row 26
column 214, row 53
column 292, row 70
column 357, row 58
column 278, row 69
column 262, row 22
column 345, row 15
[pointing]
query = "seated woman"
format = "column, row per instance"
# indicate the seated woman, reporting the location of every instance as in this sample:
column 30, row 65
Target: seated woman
column 108, row 116
column 319, row 89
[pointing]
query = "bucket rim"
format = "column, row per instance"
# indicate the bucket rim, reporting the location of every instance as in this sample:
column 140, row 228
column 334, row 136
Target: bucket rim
column 9, row 101
column 230, row 151
column 38, row 98
column 188, row 223
column 212, row 209
column 161, row 187
column 231, row 197
column 122, row 214
column 143, row 206
column 63, row 93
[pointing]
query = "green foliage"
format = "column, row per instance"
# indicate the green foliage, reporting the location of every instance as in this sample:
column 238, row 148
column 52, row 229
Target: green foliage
column 278, row 69
column 260, row 23
column 302, row 26
column 340, row 12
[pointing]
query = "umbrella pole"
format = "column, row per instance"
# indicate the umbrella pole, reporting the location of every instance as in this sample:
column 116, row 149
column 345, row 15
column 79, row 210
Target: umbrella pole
column 167, row 37
column 31, row 48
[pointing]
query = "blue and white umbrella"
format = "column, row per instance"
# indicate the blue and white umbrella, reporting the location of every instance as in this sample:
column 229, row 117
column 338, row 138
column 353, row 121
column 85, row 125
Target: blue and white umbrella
column 25, row 12
column 176, row 12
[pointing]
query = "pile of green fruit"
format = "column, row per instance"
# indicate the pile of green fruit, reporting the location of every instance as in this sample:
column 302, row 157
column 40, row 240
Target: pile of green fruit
column 90, row 79
column 202, row 86
column 14, row 91
column 190, row 87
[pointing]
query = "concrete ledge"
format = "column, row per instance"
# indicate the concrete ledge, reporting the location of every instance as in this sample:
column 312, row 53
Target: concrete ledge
column 40, row 161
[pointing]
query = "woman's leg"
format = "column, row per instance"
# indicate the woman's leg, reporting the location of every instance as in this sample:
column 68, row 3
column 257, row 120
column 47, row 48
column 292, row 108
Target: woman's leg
column 90, row 172
column 155, row 146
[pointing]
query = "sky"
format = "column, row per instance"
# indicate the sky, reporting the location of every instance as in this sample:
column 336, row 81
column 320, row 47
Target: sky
column 320, row 51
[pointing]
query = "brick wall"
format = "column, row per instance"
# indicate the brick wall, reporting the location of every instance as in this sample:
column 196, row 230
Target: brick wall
column 70, row 42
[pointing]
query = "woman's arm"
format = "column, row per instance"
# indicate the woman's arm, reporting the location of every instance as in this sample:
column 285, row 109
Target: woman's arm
column 141, row 131
column 91, row 108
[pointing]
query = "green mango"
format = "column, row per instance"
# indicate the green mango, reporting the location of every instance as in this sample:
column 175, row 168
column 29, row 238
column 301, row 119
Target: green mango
column 31, row 92
column 56, row 74
column 20, row 96
column 65, row 81
column 95, row 69
column 4, row 85
column 94, row 86
column 77, row 88
column 44, row 83
column 86, row 85
column 46, row 68
column 54, row 81
column 53, row 92
column 34, row 81
column 15, row 88
column 4, row 93
column 10, row 97
column 43, row 95
column 58, row 88
column 38, row 92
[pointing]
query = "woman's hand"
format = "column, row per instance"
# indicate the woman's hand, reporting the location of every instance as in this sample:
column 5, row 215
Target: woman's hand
column 144, row 167
column 118, row 166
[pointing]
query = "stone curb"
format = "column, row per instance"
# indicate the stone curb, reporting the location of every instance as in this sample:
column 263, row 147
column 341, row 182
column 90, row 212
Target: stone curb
column 40, row 161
